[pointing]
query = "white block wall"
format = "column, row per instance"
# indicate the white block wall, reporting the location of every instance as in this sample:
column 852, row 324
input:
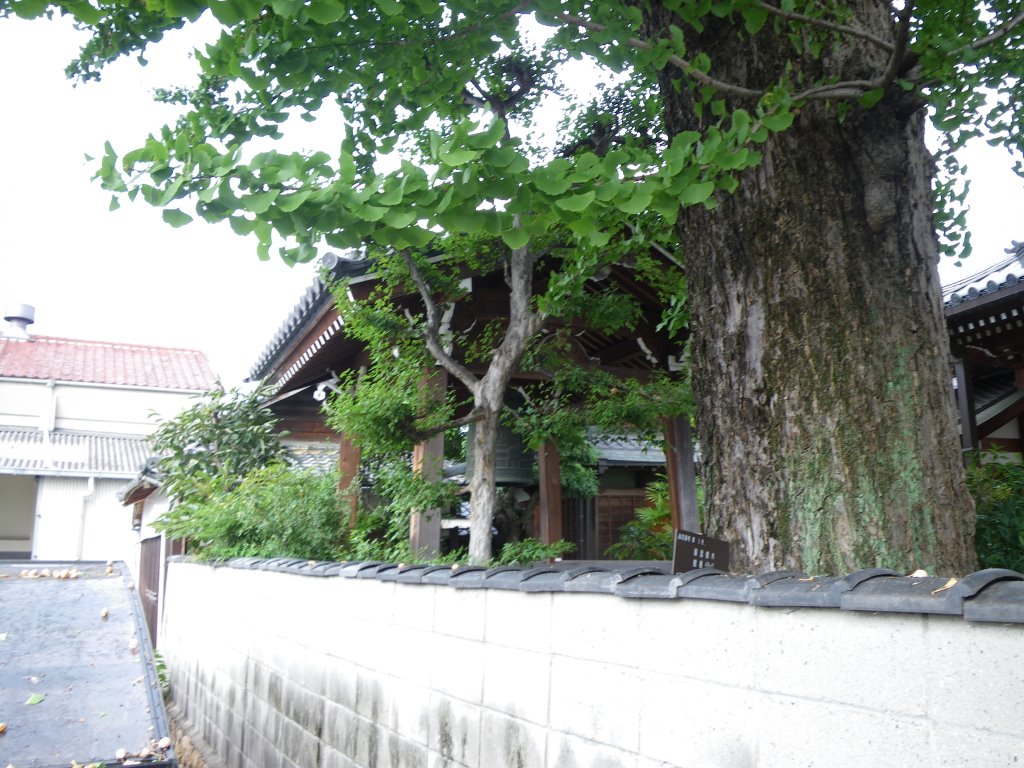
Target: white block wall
column 277, row 669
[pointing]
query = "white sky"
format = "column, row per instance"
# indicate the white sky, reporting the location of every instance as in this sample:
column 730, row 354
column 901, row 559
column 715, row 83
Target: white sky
column 127, row 276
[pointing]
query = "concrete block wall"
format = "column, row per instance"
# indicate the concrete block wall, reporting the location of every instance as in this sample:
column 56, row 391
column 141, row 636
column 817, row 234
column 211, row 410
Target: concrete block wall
column 281, row 669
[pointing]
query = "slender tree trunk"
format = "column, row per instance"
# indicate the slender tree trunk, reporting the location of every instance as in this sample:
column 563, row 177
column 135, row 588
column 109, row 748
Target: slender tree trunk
column 482, row 487
column 524, row 322
column 820, row 357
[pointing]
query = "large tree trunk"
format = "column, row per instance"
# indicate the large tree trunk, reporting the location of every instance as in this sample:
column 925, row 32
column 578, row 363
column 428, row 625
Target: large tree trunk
column 820, row 356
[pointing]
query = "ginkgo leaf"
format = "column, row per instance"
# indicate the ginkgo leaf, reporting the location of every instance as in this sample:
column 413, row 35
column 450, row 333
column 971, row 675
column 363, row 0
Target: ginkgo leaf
column 35, row 698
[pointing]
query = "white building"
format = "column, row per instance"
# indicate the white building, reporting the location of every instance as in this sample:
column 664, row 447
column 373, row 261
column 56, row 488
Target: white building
column 74, row 418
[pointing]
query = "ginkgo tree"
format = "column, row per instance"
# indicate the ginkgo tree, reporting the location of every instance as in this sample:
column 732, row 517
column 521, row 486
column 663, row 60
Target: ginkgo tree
column 792, row 163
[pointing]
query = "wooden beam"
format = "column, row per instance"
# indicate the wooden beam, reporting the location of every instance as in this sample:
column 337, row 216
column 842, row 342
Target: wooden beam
column 965, row 404
column 348, row 477
column 427, row 461
column 1008, row 444
column 682, row 481
column 550, row 493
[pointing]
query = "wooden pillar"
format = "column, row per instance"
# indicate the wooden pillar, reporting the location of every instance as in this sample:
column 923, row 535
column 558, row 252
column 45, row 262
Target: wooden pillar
column 965, row 403
column 550, row 493
column 682, row 481
column 427, row 462
column 348, row 477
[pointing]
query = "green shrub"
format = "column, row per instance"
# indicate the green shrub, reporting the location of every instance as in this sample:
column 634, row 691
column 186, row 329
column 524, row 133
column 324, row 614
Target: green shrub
column 532, row 551
column 274, row 512
column 997, row 486
column 208, row 448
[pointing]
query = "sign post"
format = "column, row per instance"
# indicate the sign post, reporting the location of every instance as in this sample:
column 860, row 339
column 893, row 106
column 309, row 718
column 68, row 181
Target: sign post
column 691, row 551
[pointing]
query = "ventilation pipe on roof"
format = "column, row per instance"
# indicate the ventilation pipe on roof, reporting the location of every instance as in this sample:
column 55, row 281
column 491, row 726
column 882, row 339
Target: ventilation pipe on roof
column 19, row 317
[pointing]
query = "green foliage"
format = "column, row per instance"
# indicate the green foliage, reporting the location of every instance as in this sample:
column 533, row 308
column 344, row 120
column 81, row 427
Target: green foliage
column 455, row 85
column 578, row 467
column 400, row 489
column 997, row 486
column 274, row 512
column 380, row 536
column 208, row 448
column 528, row 551
column 649, row 536
column 576, row 398
column 163, row 678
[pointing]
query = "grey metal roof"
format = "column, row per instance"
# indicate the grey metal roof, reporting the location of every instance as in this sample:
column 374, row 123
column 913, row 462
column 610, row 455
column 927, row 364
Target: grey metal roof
column 991, row 389
column 994, row 594
column 1005, row 275
column 34, row 452
column 627, row 451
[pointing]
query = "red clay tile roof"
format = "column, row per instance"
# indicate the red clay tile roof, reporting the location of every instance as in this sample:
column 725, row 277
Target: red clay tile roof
column 99, row 362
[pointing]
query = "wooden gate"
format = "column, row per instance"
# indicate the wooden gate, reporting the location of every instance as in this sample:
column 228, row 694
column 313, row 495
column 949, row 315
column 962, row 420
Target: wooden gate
column 593, row 524
column 150, row 562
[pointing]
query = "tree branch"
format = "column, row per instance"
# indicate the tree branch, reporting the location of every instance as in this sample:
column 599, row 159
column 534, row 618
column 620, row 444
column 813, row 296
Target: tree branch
column 851, row 89
column 848, row 89
column 902, row 38
column 523, row 321
column 472, row 417
column 824, row 24
column 997, row 35
column 431, row 335
column 677, row 61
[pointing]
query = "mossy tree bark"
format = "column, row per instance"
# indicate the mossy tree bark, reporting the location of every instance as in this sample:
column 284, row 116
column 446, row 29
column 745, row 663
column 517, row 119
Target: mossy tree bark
column 820, row 357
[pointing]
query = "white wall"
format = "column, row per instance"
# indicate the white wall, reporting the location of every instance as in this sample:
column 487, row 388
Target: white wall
column 156, row 505
column 73, row 523
column 1010, row 430
column 86, row 407
column 289, row 670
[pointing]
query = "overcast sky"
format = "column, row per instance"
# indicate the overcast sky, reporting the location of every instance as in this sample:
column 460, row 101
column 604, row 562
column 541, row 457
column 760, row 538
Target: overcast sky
column 123, row 275
column 126, row 276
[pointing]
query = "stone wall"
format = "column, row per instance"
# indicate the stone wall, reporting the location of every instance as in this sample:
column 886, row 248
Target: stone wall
column 282, row 669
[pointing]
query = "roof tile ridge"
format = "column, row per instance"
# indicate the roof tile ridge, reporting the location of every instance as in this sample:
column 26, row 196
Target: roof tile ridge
column 117, row 344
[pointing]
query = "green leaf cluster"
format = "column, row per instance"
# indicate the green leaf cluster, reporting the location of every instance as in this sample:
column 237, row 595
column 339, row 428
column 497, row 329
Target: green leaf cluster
column 208, row 448
column 996, row 481
column 528, row 551
column 275, row 511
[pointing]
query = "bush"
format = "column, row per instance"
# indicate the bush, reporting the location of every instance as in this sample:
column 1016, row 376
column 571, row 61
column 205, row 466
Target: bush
column 532, row 551
column 274, row 512
column 208, row 448
column 997, row 486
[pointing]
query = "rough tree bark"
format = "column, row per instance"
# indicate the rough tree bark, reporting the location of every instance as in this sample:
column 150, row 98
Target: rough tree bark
column 524, row 322
column 820, row 357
